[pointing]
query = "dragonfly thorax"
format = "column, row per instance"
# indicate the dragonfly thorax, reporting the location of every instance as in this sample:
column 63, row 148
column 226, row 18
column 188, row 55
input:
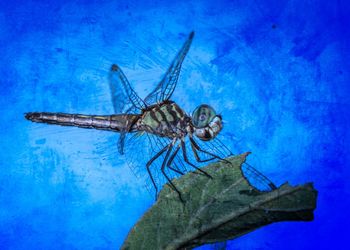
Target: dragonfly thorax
column 165, row 119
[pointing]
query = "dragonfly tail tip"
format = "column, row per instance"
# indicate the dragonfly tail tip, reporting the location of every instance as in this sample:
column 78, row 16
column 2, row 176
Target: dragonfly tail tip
column 28, row 116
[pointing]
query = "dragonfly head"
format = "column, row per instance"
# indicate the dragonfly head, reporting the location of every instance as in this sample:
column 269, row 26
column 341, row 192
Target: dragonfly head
column 207, row 124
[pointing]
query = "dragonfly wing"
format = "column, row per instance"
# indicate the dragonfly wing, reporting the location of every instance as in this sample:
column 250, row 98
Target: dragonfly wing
column 121, row 142
column 140, row 148
column 124, row 97
column 165, row 88
column 177, row 165
column 123, row 133
column 217, row 146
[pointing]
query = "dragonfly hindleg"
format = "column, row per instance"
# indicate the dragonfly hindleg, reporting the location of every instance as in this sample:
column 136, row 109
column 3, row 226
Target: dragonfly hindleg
column 149, row 163
column 170, row 183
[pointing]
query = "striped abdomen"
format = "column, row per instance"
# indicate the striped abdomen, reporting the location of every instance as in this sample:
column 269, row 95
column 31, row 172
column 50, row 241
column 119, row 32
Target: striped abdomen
column 105, row 122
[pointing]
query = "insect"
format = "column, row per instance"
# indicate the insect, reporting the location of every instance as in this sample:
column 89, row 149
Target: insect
column 157, row 127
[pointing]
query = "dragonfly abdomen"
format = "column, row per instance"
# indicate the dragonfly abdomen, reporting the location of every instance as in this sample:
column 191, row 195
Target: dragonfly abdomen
column 104, row 122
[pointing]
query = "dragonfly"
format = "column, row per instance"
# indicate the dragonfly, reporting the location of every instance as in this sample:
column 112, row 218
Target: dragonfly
column 155, row 126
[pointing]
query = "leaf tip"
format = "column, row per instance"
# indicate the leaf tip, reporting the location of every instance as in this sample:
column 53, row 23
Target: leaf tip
column 244, row 156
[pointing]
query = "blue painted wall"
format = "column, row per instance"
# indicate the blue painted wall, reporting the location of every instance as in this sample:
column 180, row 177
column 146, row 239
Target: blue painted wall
column 278, row 71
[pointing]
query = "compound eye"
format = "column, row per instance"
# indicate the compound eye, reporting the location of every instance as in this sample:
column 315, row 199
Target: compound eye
column 202, row 116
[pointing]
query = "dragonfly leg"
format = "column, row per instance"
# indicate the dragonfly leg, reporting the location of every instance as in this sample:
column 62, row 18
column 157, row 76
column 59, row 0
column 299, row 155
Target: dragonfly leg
column 183, row 146
column 171, row 159
column 170, row 147
column 198, row 159
column 135, row 100
column 149, row 163
column 193, row 142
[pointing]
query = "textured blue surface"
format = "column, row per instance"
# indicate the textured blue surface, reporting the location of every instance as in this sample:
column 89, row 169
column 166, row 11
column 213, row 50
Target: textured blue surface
column 278, row 71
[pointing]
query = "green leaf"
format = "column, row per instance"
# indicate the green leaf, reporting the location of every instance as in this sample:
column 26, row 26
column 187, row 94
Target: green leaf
column 218, row 209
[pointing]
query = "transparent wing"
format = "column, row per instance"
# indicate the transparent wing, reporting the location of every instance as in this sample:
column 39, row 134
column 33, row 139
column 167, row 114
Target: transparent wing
column 139, row 149
column 218, row 147
column 121, row 142
column 165, row 88
column 124, row 99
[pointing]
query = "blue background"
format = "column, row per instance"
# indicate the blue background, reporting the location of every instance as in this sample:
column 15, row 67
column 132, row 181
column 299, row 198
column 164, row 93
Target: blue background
column 278, row 71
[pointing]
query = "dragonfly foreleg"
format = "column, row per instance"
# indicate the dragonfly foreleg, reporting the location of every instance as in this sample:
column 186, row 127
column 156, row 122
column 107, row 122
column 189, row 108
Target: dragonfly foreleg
column 149, row 163
column 183, row 146
column 198, row 159
column 193, row 142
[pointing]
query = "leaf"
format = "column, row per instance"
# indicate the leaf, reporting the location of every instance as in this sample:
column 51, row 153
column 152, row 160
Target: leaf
column 218, row 209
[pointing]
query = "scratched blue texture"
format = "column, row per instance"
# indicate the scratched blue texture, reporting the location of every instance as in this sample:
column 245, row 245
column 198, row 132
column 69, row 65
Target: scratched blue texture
column 278, row 71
